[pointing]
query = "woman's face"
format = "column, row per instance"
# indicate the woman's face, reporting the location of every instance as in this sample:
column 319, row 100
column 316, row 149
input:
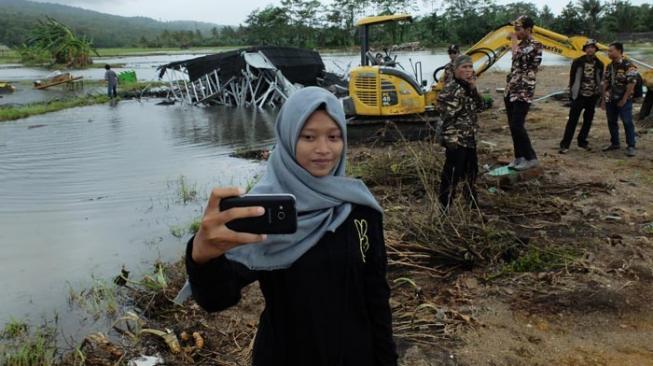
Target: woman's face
column 320, row 144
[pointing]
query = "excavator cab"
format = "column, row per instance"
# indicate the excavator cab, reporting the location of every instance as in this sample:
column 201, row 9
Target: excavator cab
column 380, row 87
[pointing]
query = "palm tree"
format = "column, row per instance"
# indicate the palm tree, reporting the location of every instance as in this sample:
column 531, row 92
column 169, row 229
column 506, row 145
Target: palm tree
column 63, row 45
column 591, row 11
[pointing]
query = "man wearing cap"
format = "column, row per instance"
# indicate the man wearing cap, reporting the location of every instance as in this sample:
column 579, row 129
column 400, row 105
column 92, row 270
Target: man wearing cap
column 618, row 88
column 585, row 89
column 458, row 104
column 526, row 58
column 454, row 52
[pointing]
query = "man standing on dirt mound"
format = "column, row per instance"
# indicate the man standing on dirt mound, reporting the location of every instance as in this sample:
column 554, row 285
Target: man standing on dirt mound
column 618, row 89
column 585, row 89
column 526, row 59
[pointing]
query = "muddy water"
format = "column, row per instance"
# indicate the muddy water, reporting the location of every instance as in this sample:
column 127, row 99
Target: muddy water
column 87, row 190
column 145, row 66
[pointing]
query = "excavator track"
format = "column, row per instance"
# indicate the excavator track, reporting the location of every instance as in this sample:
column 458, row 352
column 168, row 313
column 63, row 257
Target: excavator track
column 390, row 129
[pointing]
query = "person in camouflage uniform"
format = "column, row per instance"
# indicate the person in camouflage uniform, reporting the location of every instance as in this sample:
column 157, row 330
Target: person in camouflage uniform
column 454, row 52
column 618, row 88
column 585, row 89
column 526, row 58
column 458, row 104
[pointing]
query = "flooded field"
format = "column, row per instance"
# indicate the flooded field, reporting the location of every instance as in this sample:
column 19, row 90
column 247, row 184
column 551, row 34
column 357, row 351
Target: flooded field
column 87, row 190
column 146, row 70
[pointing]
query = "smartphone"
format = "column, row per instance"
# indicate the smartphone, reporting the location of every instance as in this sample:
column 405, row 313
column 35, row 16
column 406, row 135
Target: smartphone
column 280, row 214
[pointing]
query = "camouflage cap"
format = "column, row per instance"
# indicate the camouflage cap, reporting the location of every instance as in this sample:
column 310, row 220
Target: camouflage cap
column 590, row 42
column 462, row 60
column 524, row 21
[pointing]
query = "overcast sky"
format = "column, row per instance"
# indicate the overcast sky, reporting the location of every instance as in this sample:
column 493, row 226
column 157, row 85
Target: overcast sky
column 226, row 12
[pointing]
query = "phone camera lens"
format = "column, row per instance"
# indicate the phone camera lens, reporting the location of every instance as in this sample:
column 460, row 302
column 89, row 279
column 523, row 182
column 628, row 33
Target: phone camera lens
column 281, row 215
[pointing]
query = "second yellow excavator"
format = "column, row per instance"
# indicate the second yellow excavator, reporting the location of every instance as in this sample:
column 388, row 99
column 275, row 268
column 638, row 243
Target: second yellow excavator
column 378, row 90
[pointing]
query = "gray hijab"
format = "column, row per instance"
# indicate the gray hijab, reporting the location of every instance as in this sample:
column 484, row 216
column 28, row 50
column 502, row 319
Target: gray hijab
column 323, row 203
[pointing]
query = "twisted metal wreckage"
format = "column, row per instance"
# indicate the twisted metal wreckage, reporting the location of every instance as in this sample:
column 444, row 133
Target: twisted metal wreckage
column 251, row 77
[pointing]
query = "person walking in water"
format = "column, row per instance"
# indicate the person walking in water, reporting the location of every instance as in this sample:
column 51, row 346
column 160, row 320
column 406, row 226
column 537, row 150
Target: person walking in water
column 585, row 89
column 112, row 81
column 526, row 58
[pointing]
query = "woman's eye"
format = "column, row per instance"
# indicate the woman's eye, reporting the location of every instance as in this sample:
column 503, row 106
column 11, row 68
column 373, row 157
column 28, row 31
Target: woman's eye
column 335, row 137
column 308, row 137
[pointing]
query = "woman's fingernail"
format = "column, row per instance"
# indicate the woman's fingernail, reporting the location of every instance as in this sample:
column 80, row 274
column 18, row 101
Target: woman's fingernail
column 264, row 237
column 260, row 210
column 241, row 191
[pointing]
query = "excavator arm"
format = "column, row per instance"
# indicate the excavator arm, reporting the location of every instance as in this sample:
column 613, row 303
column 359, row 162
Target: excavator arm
column 497, row 43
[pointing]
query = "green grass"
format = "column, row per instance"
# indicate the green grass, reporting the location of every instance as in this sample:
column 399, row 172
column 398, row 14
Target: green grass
column 194, row 226
column 178, row 231
column 101, row 298
column 9, row 57
column 139, row 51
column 157, row 282
column 25, row 349
column 38, row 351
column 541, row 260
column 187, row 192
column 24, row 111
column 14, row 329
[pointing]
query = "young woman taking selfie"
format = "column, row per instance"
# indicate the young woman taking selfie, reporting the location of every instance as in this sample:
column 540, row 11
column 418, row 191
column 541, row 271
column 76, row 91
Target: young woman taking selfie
column 325, row 288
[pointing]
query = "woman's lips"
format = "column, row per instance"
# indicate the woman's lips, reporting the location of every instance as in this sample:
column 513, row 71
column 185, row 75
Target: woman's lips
column 322, row 162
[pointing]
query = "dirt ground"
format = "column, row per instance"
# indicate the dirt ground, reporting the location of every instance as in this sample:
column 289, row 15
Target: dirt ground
column 600, row 316
column 572, row 286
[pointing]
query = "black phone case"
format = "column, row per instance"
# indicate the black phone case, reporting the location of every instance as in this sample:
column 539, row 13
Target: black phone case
column 280, row 214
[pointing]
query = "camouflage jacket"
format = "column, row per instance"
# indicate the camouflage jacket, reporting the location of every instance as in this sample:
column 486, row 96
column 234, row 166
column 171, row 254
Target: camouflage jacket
column 525, row 62
column 585, row 77
column 617, row 78
column 458, row 105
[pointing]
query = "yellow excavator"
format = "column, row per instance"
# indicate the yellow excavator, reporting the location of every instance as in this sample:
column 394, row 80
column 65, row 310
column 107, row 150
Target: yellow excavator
column 379, row 91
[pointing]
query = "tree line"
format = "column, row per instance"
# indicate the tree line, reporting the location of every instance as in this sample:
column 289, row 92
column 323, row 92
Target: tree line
column 311, row 24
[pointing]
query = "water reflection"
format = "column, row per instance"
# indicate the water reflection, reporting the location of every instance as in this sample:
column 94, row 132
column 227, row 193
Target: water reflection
column 88, row 189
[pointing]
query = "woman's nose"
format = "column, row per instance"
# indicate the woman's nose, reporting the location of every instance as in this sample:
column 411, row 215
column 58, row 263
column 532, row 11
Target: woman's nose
column 322, row 146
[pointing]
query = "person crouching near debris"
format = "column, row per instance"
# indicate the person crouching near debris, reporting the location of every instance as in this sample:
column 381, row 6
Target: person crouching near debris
column 585, row 90
column 458, row 104
column 325, row 289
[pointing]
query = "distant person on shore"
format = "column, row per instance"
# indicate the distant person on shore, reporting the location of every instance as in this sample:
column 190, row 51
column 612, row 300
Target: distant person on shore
column 453, row 51
column 518, row 96
column 111, row 79
column 325, row 288
column 585, row 90
column 458, row 104
column 618, row 88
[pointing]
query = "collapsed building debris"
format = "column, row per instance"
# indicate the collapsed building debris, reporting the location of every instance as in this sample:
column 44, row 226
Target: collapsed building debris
column 251, row 77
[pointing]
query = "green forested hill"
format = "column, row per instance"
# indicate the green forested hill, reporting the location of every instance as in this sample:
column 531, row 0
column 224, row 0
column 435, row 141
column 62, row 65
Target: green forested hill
column 17, row 17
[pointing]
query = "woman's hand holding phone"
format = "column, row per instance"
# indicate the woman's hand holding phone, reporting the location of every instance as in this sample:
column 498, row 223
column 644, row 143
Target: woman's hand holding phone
column 214, row 238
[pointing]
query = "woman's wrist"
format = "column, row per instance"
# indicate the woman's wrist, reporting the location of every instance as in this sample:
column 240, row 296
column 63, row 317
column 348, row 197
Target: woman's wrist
column 197, row 253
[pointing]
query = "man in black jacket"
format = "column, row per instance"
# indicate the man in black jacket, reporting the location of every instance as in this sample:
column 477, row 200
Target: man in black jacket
column 585, row 89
